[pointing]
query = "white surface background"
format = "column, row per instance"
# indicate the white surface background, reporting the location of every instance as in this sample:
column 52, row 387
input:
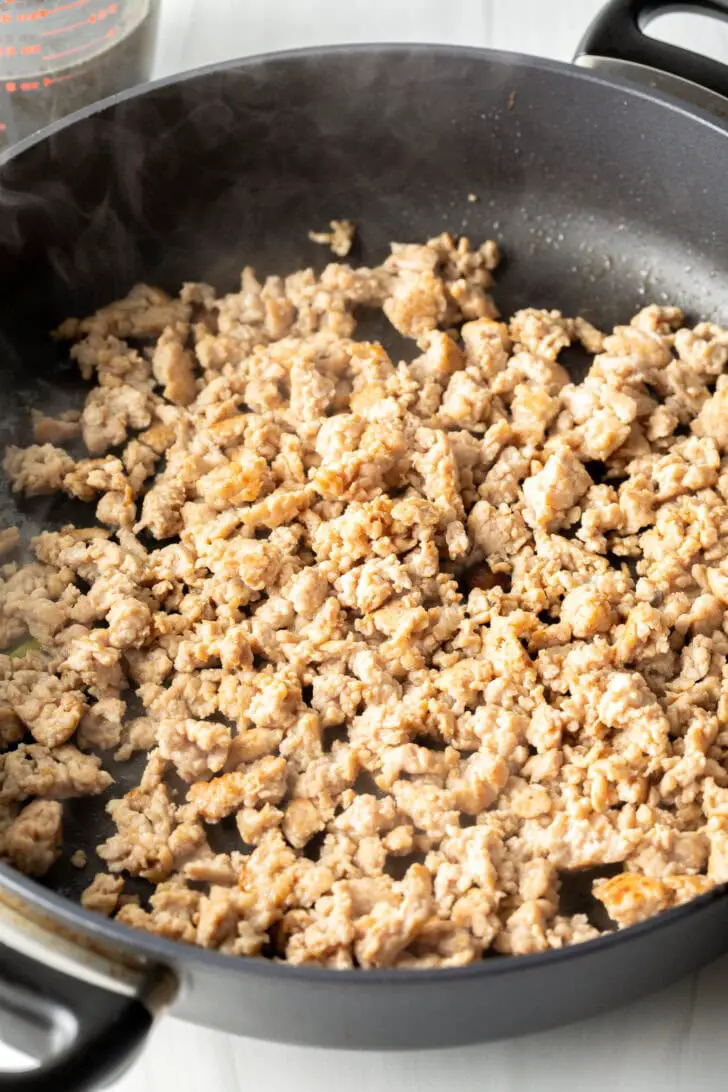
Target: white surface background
column 673, row 1041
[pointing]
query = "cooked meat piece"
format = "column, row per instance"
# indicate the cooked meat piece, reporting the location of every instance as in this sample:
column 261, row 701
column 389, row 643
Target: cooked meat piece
column 101, row 726
column 33, row 841
column 102, row 894
column 174, row 368
column 144, row 821
column 262, row 782
column 64, row 772
column 196, row 747
column 12, row 728
column 47, row 707
column 454, row 618
column 339, row 239
column 36, row 470
column 630, row 898
column 9, row 540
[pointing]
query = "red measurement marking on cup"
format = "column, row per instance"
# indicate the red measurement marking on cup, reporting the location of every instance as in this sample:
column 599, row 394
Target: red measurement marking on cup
column 95, row 17
column 62, row 30
column 14, row 86
column 43, row 13
column 66, row 7
column 79, row 48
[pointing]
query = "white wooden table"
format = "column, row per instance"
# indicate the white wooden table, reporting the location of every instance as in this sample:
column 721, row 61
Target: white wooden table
column 676, row 1040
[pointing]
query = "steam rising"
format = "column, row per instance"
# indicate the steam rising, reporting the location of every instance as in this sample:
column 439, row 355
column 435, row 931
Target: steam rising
column 233, row 166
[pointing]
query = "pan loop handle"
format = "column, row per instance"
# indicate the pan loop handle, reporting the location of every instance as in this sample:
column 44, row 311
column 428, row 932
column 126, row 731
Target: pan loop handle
column 615, row 43
column 82, row 1013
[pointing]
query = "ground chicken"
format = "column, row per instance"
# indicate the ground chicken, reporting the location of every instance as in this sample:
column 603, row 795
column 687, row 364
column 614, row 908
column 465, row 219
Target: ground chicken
column 630, row 898
column 415, row 638
column 37, row 469
column 33, row 841
column 102, row 894
column 195, row 747
column 9, row 540
column 60, row 774
column 339, row 239
column 552, row 491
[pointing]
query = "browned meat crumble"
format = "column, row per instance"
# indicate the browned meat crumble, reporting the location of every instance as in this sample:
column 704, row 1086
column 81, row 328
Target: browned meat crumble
column 429, row 635
column 339, row 239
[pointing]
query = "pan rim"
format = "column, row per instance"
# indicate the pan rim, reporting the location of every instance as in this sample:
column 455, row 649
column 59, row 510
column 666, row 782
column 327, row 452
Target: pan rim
column 158, row 949
column 499, row 58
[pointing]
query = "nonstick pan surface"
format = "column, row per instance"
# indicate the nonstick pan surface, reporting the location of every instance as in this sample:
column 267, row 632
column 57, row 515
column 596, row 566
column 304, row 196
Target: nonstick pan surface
column 605, row 197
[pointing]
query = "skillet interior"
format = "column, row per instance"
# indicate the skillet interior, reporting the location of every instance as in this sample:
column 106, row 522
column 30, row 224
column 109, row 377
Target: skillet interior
column 603, row 199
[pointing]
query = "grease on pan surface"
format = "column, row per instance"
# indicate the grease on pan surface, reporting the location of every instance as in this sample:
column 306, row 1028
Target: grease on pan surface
column 425, row 638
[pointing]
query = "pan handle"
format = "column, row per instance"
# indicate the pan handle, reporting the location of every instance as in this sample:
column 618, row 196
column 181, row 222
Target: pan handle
column 82, row 1013
column 616, row 43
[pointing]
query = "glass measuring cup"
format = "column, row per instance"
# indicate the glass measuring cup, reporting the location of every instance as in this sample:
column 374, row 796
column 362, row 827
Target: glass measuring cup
column 59, row 55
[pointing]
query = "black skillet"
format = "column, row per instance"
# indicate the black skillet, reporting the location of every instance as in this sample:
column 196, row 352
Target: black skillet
column 607, row 193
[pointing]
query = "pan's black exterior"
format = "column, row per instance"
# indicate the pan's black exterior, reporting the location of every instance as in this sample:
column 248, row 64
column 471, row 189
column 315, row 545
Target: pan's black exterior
column 605, row 198
column 618, row 33
column 394, row 1010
